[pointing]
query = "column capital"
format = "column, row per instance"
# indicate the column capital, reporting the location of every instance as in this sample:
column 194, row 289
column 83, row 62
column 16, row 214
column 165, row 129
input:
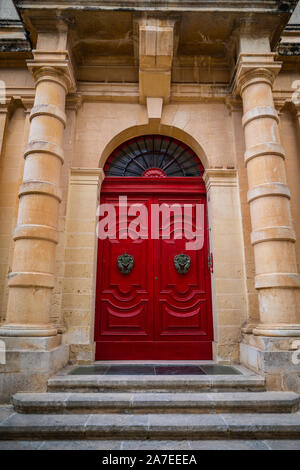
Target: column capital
column 234, row 104
column 255, row 68
column 5, row 105
column 74, row 101
column 294, row 106
column 87, row 176
column 220, row 177
column 279, row 104
column 53, row 66
column 297, row 108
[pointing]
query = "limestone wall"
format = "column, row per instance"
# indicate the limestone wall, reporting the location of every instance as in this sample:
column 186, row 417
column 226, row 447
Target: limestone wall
column 107, row 124
column 208, row 129
column 94, row 128
column 11, row 173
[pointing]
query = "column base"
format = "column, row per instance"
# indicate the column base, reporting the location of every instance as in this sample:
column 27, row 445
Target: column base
column 11, row 329
column 249, row 328
column 27, row 363
column 277, row 359
column 278, row 330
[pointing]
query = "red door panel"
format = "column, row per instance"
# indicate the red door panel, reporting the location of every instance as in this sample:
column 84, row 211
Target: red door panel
column 126, row 301
column 180, row 300
column 154, row 312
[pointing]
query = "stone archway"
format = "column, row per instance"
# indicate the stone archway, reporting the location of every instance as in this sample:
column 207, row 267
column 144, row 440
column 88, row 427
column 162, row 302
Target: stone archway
column 158, row 312
column 226, row 246
column 154, row 128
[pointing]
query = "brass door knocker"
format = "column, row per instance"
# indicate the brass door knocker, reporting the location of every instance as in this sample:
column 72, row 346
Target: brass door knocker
column 182, row 263
column 125, row 263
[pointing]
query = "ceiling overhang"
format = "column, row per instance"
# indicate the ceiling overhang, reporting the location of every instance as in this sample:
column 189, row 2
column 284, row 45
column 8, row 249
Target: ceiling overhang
column 105, row 42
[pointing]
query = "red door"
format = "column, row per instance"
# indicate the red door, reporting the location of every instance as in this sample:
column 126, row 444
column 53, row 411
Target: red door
column 157, row 309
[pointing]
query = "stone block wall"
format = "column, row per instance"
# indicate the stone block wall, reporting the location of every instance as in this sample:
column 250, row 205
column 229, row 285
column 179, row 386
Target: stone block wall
column 94, row 129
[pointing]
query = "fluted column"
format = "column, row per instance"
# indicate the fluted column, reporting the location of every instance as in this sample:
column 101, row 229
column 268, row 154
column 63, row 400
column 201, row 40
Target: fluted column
column 32, row 278
column 272, row 237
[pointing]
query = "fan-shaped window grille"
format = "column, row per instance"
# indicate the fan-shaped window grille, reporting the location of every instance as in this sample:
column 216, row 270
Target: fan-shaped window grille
column 153, row 156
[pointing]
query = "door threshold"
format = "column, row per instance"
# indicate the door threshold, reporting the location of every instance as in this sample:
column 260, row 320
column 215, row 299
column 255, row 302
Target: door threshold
column 159, row 368
column 167, row 369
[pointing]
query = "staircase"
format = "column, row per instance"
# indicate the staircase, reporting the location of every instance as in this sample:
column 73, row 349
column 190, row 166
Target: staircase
column 168, row 408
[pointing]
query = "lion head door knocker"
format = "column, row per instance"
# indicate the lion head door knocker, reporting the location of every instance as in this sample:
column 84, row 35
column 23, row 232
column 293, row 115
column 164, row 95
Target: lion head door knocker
column 125, row 263
column 182, row 263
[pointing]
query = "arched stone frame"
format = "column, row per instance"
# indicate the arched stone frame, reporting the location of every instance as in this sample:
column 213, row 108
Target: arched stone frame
column 222, row 190
column 154, row 128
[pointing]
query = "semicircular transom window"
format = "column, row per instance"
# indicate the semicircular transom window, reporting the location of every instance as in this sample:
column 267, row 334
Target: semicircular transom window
column 153, row 156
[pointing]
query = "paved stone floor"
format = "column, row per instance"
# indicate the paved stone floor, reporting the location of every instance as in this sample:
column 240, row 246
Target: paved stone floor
column 152, row 445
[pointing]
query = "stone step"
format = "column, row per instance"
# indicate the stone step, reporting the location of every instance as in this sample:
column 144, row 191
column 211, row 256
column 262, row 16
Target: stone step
column 147, row 402
column 97, row 444
column 151, row 426
column 148, row 383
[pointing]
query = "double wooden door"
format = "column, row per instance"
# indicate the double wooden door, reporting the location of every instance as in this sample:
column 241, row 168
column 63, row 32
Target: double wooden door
column 148, row 306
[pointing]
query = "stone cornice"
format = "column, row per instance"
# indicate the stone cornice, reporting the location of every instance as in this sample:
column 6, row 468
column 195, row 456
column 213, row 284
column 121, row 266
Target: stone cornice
column 161, row 5
column 290, row 49
column 129, row 93
column 95, row 91
column 87, row 49
column 13, row 101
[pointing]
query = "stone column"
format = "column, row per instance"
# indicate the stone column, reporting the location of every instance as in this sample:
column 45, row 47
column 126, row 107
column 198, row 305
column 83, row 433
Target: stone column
column 272, row 237
column 32, row 278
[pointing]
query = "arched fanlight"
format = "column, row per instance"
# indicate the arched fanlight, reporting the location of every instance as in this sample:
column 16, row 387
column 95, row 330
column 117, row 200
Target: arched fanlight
column 153, row 156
